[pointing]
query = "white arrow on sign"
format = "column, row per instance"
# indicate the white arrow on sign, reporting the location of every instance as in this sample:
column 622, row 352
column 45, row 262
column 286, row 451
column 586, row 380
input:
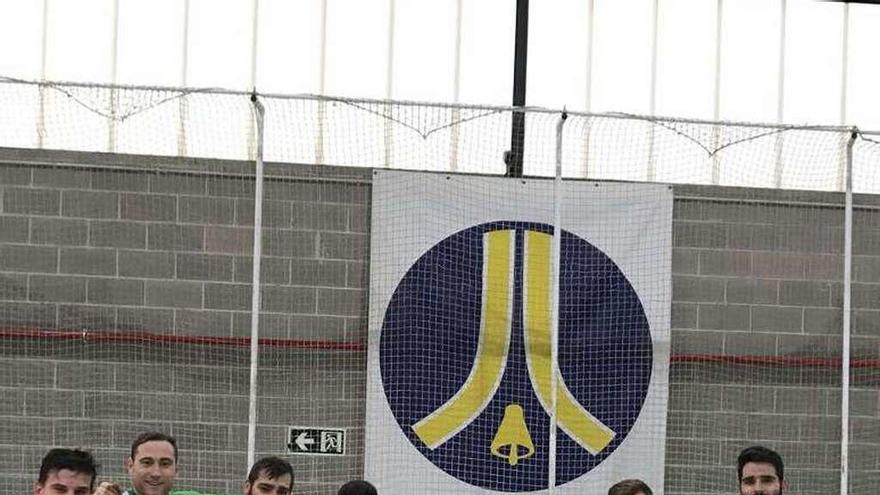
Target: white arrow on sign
column 303, row 441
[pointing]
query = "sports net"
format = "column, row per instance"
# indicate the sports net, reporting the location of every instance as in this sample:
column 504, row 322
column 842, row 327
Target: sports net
column 127, row 241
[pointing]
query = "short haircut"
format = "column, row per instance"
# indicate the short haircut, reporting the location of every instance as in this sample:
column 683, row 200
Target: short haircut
column 630, row 487
column 78, row 461
column 153, row 436
column 758, row 453
column 274, row 467
column 357, row 487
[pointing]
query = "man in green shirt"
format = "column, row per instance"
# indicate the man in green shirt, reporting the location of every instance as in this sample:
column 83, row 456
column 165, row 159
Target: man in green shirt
column 152, row 467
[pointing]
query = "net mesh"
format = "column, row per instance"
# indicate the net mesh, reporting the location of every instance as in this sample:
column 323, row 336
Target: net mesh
column 126, row 258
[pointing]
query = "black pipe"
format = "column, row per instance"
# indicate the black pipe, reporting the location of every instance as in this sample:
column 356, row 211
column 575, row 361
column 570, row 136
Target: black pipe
column 514, row 157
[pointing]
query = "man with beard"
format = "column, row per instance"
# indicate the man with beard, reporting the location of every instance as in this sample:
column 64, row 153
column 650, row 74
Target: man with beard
column 760, row 472
column 269, row 476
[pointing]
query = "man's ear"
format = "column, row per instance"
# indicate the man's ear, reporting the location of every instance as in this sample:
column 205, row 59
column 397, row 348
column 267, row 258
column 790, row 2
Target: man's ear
column 785, row 485
column 129, row 462
column 246, row 487
column 38, row 489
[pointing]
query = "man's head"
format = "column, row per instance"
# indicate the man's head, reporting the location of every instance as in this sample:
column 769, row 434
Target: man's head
column 153, row 463
column 357, row 487
column 630, row 487
column 760, row 472
column 269, row 476
column 66, row 472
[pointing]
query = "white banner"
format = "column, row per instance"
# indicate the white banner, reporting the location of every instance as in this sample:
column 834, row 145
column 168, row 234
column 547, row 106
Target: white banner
column 461, row 389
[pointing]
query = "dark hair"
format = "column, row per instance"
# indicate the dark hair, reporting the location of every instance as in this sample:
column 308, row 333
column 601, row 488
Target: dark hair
column 153, row 436
column 357, row 487
column 78, row 461
column 758, row 453
column 274, row 467
column 630, row 487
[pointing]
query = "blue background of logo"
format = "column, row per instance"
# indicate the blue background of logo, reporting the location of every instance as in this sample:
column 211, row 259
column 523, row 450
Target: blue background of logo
column 429, row 340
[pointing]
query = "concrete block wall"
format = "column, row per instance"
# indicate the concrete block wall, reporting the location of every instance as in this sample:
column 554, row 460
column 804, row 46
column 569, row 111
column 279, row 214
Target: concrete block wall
column 122, row 245
column 127, row 244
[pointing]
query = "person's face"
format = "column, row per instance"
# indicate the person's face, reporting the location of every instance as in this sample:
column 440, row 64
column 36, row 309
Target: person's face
column 65, row 482
column 760, row 478
column 153, row 468
column 264, row 485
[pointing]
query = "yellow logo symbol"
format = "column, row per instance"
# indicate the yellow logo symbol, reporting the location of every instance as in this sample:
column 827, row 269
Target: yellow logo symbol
column 512, row 440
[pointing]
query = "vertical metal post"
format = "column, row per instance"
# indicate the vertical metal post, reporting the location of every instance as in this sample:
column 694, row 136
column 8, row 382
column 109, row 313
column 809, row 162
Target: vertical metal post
column 844, row 63
column 652, row 101
column 322, row 77
column 389, row 82
column 184, row 67
column 514, row 157
column 588, row 96
column 41, row 111
column 847, row 321
column 716, row 114
column 554, row 305
column 455, row 131
column 780, row 94
column 252, row 81
column 114, row 92
column 259, row 114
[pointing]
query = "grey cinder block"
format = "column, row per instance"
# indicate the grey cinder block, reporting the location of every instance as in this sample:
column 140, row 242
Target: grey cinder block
column 348, row 302
column 233, row 240
column 289, row 243
column 13, row 229
column 13, row 286
column 321, row 216
column 88, row 261
column 150, row 207
column 116, row 291
column 122, row 180
column 777, row 319
column 208, row 210
column 31, row 201
column 173, row 294
column 228, row 296
column 62, row 177
column 57, row 288
column 204, row 267
column 723, row 317
column 730, row 263
column 804, row 293
column 25, row 258
column 175, row 237
column 89, row 204
column 344, row 246
column 697, row 289
column 273, row 270
column 117, row 234
column 146, row 264
column 698, row 234
column 289, row 299
column 60, row 231
column 203, row 323
column 752, row 291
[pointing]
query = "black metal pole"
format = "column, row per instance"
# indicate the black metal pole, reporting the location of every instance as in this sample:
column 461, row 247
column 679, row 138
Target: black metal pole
column 514, row 157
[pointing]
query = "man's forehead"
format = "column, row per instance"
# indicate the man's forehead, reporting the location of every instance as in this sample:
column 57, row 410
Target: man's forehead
column 159, row 449
column 759, row 469
column 264, row 477
column 68, row 477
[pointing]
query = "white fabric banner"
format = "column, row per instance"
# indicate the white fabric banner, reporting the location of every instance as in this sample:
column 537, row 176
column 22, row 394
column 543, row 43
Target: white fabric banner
column 461, row 385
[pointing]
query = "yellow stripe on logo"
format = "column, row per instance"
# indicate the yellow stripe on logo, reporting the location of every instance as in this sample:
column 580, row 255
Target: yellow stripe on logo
column 494, row 342
column 572, row 418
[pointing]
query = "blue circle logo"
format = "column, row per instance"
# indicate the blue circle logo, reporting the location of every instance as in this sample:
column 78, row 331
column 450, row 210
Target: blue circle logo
column 465, row 356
